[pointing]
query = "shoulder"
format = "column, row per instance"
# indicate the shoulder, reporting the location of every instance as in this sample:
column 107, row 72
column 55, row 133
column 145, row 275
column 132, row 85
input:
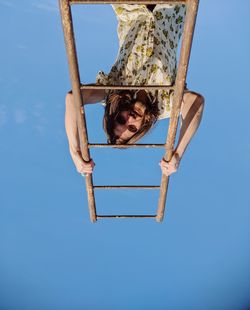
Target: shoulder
column 90, row 95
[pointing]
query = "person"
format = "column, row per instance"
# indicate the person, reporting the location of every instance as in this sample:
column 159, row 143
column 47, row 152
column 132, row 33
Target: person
column 148, row 40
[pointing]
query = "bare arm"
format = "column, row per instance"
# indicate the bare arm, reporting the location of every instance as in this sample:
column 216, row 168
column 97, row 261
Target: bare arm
column 70, row 124
column 89, row 96
column 191, row 115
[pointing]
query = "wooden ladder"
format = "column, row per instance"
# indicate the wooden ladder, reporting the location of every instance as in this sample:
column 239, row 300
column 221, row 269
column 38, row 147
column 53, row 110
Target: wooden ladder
column 67, row 23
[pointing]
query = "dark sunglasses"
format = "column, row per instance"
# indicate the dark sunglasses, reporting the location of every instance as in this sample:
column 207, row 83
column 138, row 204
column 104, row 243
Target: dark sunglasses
column 120, row 119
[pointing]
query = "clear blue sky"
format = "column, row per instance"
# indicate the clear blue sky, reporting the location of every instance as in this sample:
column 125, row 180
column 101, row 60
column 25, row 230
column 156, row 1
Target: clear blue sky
column 51, row 256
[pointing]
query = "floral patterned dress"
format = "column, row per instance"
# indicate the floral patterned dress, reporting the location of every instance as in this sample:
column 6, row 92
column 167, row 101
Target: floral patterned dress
column 147, row 49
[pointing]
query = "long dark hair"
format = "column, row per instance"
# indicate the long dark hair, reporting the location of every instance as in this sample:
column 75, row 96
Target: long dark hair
column 118, row 101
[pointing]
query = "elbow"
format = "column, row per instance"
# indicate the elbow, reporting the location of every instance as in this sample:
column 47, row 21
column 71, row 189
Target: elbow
column 199, row 102
column 202, row 100
column 202, row 103
column 69, row 98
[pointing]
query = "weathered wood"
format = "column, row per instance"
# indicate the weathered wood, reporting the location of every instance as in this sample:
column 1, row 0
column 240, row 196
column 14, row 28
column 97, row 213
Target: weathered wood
column 192, row 9
column 75, row 81
column 124, row 87
column 126, row 187
column 124, row 216
column 126, row 1
column 125, row 146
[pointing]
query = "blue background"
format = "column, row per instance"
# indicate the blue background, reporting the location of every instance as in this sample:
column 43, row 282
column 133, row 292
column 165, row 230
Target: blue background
column 52, row 256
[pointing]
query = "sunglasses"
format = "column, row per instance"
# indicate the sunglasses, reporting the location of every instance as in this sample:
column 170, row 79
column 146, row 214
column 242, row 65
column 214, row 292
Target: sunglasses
column 121, row 120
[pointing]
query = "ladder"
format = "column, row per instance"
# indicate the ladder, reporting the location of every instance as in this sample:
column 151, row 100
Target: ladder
column 67, row 23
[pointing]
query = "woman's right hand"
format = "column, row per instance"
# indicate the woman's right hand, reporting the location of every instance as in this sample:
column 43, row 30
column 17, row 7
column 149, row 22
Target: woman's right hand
column 81, row 165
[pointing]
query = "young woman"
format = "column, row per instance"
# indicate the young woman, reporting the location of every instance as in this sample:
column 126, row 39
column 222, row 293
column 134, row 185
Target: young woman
column 148, row 40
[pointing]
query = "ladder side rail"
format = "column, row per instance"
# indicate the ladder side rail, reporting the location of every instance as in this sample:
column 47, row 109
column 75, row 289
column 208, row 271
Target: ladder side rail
column 68, row 30
column 192, row 9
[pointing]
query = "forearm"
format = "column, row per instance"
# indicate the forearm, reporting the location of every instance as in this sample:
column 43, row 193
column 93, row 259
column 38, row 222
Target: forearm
column 73, row 138
column 89, row 96
column 71, row 124
column 189, row 126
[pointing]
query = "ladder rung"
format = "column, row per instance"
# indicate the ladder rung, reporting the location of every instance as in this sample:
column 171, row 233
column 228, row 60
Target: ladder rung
column 125, row 1
column 129, row 87
column 127, row 187
column 124, row 216
column 121, row 146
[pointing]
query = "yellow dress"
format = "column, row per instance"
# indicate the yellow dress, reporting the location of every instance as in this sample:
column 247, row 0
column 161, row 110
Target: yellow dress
column 148, row 44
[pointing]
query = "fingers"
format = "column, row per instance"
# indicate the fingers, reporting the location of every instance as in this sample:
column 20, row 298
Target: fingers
column 92, row 163
column 168, row 168
column 86, row 167
column 82, row 166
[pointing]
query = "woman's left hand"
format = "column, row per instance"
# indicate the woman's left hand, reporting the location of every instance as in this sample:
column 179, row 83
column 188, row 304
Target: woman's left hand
column 170, row 167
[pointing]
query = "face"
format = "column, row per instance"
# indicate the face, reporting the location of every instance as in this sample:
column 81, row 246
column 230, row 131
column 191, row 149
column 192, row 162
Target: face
column 128, row 122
